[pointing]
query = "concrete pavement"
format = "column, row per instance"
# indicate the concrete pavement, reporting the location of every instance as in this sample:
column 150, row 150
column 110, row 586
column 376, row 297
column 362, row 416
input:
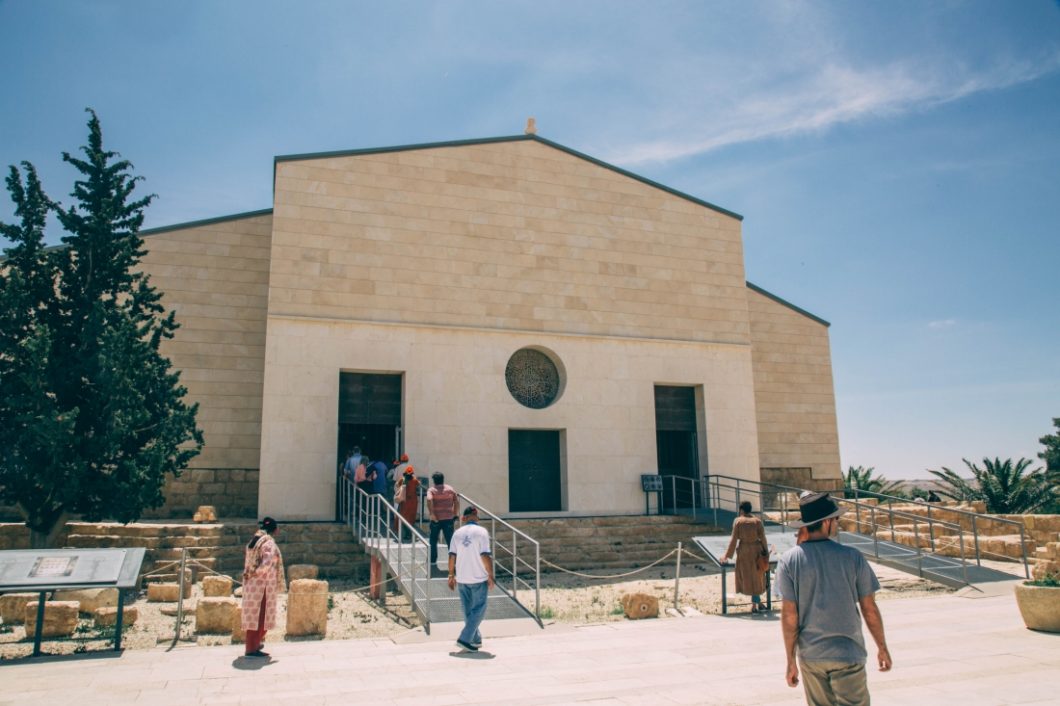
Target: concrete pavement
column 947, row 650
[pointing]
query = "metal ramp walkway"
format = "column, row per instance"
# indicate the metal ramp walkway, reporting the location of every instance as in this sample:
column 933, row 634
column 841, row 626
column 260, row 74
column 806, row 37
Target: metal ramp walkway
column 947, row 550
column 404, row 553
column 949, row 571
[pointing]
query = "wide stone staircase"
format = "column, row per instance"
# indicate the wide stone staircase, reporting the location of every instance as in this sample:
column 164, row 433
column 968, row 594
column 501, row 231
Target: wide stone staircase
column 616, row 542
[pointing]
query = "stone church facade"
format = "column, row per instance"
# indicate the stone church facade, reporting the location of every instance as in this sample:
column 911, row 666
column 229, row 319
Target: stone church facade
column 539, row 325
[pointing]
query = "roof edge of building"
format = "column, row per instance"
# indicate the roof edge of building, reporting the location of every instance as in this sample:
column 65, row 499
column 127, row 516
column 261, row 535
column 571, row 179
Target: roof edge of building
column 491, row 140
column 206, row 221
column 784, row 302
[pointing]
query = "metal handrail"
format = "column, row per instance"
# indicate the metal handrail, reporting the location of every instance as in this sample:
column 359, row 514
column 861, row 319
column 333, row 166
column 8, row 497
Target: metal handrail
column 513, row 552
column 714, row 482
column 875, row 526
column 371, row 517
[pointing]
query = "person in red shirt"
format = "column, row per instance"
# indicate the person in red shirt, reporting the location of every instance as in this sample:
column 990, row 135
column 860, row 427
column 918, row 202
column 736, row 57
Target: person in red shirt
column 443, row 506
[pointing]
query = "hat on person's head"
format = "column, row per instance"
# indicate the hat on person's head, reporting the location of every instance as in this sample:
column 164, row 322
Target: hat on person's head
column 404, row 458
column 470, row 510
column 815, row 507
column 409, row 470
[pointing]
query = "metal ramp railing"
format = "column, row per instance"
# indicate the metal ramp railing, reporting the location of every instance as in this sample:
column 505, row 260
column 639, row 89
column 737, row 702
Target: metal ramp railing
column 945, row 551
column 405, row 553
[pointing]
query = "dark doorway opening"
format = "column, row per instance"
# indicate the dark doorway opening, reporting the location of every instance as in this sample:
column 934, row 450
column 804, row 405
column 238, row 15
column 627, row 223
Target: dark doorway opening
column 369, row 417
column 534, row 471
column 677, row 450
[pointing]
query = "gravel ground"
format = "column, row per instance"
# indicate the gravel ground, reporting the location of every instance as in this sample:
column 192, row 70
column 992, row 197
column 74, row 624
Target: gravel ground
column 564, row 599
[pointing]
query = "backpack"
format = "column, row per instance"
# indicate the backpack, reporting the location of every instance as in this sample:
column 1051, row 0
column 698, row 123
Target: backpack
column 360, row 475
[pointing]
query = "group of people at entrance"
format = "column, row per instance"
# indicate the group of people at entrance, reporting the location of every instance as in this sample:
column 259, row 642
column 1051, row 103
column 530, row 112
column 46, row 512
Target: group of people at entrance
column 443, row 511
column 826, row 590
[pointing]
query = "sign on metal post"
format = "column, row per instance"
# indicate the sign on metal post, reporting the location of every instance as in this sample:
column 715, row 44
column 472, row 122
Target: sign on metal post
column 779, row 541
column 651, row 483
column 45, row 570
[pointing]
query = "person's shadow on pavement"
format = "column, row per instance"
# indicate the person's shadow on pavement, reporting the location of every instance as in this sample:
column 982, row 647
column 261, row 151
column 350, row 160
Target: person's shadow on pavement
column 252, row 664
column 464, row 654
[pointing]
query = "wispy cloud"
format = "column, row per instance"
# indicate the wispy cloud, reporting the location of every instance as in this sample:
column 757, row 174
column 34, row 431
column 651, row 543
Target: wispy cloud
column 942, row 324
column 832, row 95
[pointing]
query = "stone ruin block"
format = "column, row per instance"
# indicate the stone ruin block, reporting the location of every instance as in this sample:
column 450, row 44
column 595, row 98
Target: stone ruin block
column 640, row 605
column 215, row 614
column 216, row 586
column 167, row 592
column 238, row 634
column 60, row 618
column 13, row 606
column 307, row 608
column 108, row 617
column 302, row 571
column 90, row 599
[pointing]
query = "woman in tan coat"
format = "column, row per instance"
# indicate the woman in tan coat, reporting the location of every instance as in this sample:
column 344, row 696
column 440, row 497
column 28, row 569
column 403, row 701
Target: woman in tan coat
column 749, row 543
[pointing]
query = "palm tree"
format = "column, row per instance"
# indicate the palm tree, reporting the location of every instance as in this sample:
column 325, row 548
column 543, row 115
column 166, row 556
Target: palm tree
column 861, row 479
column 1001, row 485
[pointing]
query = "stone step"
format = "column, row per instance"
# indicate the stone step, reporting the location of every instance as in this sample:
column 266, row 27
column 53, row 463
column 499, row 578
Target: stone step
column 145, row 530
column 114, row 540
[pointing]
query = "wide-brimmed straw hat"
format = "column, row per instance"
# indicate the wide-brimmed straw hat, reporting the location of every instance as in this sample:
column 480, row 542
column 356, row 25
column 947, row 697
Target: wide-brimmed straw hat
column 814, row 507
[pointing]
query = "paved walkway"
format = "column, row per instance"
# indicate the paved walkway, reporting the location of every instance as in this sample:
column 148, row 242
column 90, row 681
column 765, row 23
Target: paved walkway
column 947, row 650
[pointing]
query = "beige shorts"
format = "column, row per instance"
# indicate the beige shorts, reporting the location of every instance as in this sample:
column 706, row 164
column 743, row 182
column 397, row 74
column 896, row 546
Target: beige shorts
column 834, row 684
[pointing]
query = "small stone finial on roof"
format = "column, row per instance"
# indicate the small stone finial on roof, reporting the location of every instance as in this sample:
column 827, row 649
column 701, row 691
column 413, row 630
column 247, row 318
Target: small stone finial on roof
column 531, row 127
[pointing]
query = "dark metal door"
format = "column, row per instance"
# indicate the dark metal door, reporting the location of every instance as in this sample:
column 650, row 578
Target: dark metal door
column 534, row 483
column 677, row 452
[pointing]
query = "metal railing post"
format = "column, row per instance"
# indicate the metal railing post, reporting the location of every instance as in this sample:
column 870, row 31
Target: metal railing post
column 857, row 509
column 975, row 538
column 875, row 534
column 1023, row 550
column 677, row 578
column 919, row 551
column 784, row 509
column 693, row 484
column 717, row 499
column 890, row 513
column 964, row 562
column 515, row 567
column 537, row 589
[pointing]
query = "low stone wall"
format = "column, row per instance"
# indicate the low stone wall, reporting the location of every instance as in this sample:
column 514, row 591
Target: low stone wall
column 328, row 545
column 15, row 535
column 233, row 491
column 220, row 546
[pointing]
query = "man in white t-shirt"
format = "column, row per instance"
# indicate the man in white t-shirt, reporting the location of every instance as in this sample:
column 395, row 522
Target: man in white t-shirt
column 471, row 567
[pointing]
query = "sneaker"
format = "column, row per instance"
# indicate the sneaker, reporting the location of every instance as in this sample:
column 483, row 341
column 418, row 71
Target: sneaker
column 467, row 646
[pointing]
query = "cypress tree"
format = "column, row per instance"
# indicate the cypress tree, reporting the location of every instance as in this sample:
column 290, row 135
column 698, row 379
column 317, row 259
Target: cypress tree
column 92, row 415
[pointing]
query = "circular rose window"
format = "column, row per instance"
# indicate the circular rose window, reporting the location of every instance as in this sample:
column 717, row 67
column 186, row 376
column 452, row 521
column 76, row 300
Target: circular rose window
column 532, row 378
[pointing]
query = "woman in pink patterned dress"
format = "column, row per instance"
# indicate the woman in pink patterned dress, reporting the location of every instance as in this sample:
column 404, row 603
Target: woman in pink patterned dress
column 263, row 581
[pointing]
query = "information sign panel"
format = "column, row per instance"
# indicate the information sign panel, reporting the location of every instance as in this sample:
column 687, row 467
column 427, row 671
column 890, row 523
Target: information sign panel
column 778, row 540
column 60, row 567
column 651, row 483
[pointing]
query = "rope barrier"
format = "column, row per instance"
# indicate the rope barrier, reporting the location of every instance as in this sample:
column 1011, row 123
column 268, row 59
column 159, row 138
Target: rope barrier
column 610, row 576
column 694, row 555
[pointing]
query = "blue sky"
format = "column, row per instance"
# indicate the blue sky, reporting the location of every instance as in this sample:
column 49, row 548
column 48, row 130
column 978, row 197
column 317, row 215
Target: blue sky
column 897, row 163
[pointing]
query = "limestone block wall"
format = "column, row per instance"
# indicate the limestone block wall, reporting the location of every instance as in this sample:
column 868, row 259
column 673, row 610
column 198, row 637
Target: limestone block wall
column 233, row 491
column 794, row 395
column 215, row 276
column 513, row 235
column 457, row 409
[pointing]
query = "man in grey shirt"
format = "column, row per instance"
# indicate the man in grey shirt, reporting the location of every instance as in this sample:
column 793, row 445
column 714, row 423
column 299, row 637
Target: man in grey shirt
column 823, row 584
